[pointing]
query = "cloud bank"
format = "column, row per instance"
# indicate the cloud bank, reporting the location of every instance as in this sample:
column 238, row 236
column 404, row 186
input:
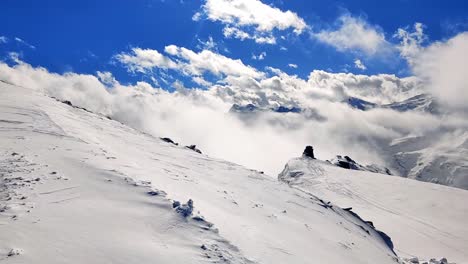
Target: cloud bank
column 264, row 140
column 440, row 65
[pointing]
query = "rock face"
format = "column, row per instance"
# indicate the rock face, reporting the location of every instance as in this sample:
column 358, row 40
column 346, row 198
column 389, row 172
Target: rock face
column 194, row 148
column 183, row 209
column 308, row 152
column 251, row 108
column 168, row 140
column 348, row 163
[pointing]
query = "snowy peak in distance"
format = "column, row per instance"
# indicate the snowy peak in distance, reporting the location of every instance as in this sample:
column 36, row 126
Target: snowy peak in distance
column 423, row 103
column 360, row 104
column 251, row 108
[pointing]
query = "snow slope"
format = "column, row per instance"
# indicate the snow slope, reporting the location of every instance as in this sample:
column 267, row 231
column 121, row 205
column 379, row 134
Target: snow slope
column 434, row 157
column 76, row 187
column 423, row 219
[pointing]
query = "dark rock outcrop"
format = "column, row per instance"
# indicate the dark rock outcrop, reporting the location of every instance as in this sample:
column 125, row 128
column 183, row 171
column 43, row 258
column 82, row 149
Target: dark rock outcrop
column 308, row 152
column 194, row 148
column 348, row 163
column 168, row 140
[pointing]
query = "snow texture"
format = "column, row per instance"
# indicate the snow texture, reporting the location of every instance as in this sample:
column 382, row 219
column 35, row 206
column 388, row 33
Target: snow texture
column 423, row 220
column 77, row 187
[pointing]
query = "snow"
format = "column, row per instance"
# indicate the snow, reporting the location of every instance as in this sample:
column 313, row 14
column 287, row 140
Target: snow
column 424, row 220
column 76, row 187
column 435, row 157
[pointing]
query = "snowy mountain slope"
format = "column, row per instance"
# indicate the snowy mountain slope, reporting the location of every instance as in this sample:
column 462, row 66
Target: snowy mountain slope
column 423, row 219
column 422, row 103
column 59, row 208
column 438, row 156
column 434, row 157
column 90, row 202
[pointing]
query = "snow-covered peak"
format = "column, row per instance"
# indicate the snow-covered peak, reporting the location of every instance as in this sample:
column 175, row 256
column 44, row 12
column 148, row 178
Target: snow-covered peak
column 422, row 103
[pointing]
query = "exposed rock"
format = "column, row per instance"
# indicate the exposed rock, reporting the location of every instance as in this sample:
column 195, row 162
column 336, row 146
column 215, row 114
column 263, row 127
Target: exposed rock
column 348, row 163
column 184, row 209
column 243, row 108
column 283, row 109
column 15, row 252
column 67, row 102
column 168, row 140
column 308, row 152
column 194, row 148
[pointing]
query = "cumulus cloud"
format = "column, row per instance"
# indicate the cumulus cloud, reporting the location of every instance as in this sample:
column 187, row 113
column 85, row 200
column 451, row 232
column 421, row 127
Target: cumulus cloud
column 381, row 88
column 442, row 66
column 292, row 65
column 196, row 63
column 186, row 62
column 250, row 19
column 143, row 60
column 358, row 64
column 439, row 64
column 354, row 34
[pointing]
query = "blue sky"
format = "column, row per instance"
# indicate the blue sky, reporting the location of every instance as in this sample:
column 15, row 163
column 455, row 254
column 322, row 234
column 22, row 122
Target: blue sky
column 85, row 36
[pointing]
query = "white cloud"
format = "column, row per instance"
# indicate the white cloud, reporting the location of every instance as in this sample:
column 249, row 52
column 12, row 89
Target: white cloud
column 186, row 62
column 354, row 34
column 14, row 56
column 143, row 60
column 197, row 16
column 382, row 88
column 274, row 70
column 264, row 141
column 253, row 13
column 244, row 16
column 194, row 63
column 410, row 42
column 442, row 65
column 200, row 81
column 209, row 44
column 3, row 39
column 24, row 43
column 233, row 32
column 260, row 56
column 358, row 64
column 106, row 78
column 292, row 65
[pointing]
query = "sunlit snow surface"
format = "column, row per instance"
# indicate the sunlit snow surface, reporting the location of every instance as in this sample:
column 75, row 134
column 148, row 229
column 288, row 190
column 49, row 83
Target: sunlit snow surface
column 74, row 189
column 423, row 219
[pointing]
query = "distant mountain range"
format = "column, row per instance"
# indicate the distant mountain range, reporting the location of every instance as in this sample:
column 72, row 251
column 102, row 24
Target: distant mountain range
column 439, row 157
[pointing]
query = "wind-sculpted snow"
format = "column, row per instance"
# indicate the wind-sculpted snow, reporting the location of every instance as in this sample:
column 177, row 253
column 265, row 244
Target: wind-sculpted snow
column 423, row 220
